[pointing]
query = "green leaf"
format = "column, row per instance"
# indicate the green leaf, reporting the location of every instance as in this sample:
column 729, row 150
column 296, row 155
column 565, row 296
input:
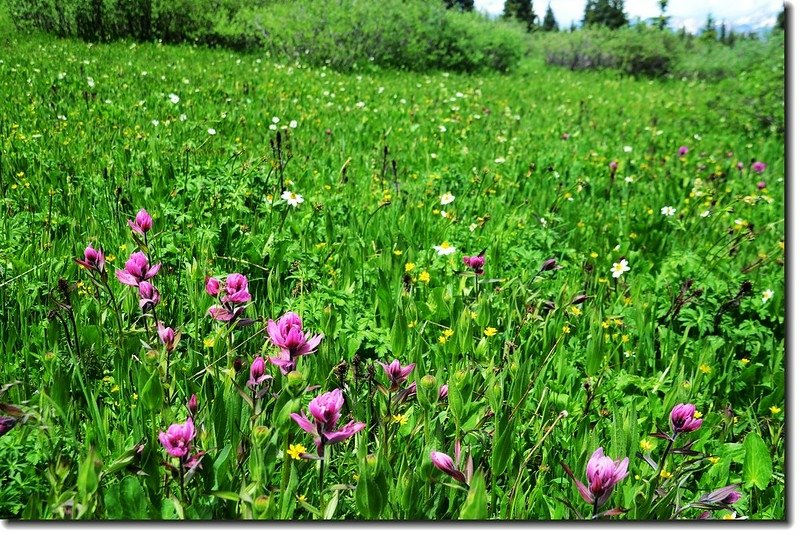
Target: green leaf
column 153, row 394
column 88, row 475
column 476, row 505
column 134, row 505
column 226, row 495
column 503, row 448
column 757, row 468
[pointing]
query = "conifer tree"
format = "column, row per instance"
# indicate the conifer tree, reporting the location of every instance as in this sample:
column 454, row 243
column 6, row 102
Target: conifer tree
column 549, row 23
column 522, row 10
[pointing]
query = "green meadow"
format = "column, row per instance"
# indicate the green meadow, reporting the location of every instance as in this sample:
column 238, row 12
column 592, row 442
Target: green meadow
column 621, row 276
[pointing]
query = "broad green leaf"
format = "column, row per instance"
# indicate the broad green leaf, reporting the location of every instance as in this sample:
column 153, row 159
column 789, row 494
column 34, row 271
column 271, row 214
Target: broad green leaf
column 757, row 469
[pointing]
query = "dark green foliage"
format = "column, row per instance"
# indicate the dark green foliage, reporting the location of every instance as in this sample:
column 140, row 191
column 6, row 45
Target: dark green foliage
column 780, row 21
column 521, row 10
column 608, row 13
column 463, row 5
column 549, row 23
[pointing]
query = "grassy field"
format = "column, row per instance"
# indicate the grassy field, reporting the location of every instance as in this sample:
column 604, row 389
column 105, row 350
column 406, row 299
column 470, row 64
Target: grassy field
column 351, row 200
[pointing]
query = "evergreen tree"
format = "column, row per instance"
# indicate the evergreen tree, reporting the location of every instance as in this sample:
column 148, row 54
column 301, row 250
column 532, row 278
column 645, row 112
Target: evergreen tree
column 522, row 10
column 662, row 20
column 463, row 5
column 709, row 32
column 609, row 13
column 549, row 23
column 780, row 22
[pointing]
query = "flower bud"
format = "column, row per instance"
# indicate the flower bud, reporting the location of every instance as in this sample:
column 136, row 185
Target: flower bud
column 260, row 435
column 296, row 381
column 192, row 405
column 549, row 265
column 426, row 390
column 261, row 504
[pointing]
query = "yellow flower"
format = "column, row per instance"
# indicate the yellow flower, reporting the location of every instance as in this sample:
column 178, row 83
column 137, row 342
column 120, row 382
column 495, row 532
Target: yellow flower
column 301, row 498
column 646, row 444
column 628, row 300
column 665, row 474
column 593, row 254
column 110, row 258
column 602, row 280
column 400, row 419
column 575, row 310
column 412, row 324
column 565, row 329
column 744, row 361
column 625, row 338
column 425, row 277
column 713, row 460
column 473, row 315
column 618, row 322
column 705, row 368
column 774, row 409
column 295, row 451
column 397, row 252
column 697, row 414
column 633, row 235
column 447, row 333
column 410, row 266
column 209, row 342
column 490, row 331
column 605, row 325
column 442, row 340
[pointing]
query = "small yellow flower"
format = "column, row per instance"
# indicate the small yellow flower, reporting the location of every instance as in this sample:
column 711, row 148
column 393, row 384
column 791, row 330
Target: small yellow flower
column 618, row 322
column 400, row 419
column 115, row 388
column 705, row 368
column 593, row 254
column 774, row 409
column 605, row 325
column 442, row 340
column 665, row 474
column 646, row 444
column 729, row 516
column 135, row 396
column 744, row 361
column 575, row 310
column 473, row 315
column 602, row 280
column 425, row 277
column 397, row 252
column 412, row 324
column 628, row 300
column 625, row 338
column 713, row 460
column 490, row 331
column 697, row 414
column 301, row 498
column 633, row 235
column 410, row 266
column 110, row 258
column 295, row 451
column 447, row 333
column 209, row 342
column 565, row 329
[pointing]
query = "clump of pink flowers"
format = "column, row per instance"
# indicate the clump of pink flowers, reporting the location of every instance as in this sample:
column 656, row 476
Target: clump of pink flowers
column 142, row 223
column 177, row 440
column 326, row 410
column 397, row 373
column 93, row 260
column 233, row 296
column 287, row 334
column 445, row 463
column 682, row 418
column 602, row 475
column 759, row 167
column 475, row 263
column 137, row 270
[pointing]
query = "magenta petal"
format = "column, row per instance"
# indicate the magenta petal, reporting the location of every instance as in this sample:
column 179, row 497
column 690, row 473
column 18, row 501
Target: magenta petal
column 126, row 278
column 314, row 342
column 220, row 313
column 344, row 433
column 304, row 423
column 585, row 494
column 152, row 272
column 274, row 333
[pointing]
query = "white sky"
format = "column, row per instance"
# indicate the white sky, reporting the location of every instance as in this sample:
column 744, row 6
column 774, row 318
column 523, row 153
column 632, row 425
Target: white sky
column 689, row 13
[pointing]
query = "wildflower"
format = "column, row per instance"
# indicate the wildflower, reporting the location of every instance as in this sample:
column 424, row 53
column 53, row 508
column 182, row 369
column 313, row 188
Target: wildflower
column 292, row 199
column 287, row 334
column 761, row 184
column 326, row 411
column 137, row 269
column 444, row 249
column 445, row 463
column 182, row 117
column 774, row 409
column 142, row 223
column 292, row 124
column 705, row 214
column 168, row 337
column 490, row 331
column 90, row 81
column 174, row 98
column 475, row 263
column 683, row 150
column 93, row 259
column 444, row 391
column 410, row 266
column 447, row 333
column 602, row 474
column 400, row 419
column 425, row 277
column 191, row 405
column 613, row 166
column 447, row 198
column 7, row 423
column 397, row 373
column 665, row 474
column 766, row 295
column 682, row 419
column 234, row 293
column 722, row 497
column 705, row 368
column 646, row 444
column 668, row 211
column 212, row 286
column 627, row 148
column 618, row 268
column 549, row 265
column 296, row 451
column 212, row 132
column 177, row 439
column 257, row 373
column 148, row 296
column 565, row 329
column 236, row 290
column 759, row 167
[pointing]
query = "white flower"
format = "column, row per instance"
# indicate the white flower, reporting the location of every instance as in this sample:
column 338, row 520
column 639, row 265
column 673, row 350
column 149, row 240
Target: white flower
column 619, row 268
column 444, row 249
column 174, row 98
column 766, row 295
column 273, row 127
column 499, row 160
column 668, row 211
column 90, row 81
column 276, row 120
column 444, row 214
column 293, row 124
column 706, row 213
column 442, row 129
column 62, row 75
column 447, row 198
column 155, row 122
column 292, row 199
column 183, row 117
column 62, row 118
column 627, row 148
column 628, row 179
column 360, row 104
column 212, row 132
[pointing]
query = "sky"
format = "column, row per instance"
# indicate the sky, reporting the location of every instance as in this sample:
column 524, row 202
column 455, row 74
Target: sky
column 690, row 14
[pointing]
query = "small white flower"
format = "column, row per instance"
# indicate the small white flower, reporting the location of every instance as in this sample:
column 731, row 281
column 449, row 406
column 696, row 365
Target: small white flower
column 543, row 221
column 706, row 213
column 360, row 104
column 447, row 198
column 292, row 124
column 444, row 249
column 444, row 214
column 442, row 129
column 627, row 148
column 628, row 179
column 668, row 211
column 619, row 268
column 90, row 81
column 155, row 122
column 273, row 127
column 174, row 98
column 62, row 118
column 276, row 120
column 433, row 156
column 292, row 199
column 144, row 73
column 183, row 117
column 62, row 75
column 212, row 132
column 499, row 160
column 766, row 295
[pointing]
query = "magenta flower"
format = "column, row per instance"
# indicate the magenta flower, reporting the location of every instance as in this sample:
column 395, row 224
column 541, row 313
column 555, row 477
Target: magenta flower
column 258, row 373
column 602, row 473
column 148, row 296
column 288, row 335
column 445, row 463
column 168, row 337
column 192, row 405
column 142, row 223
column 397, row 373
column 212, row 286
column 444, row 390
column 683, row 150
column 326, row 412
column 93, row 259
column 235, row 289
column 613, row 166
column 137, row 269
column 475, row 263
column 7, row 423
column 178, row 438
column 761, row 184
column 759, row 167
column 720, row 498
column 682, row 418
